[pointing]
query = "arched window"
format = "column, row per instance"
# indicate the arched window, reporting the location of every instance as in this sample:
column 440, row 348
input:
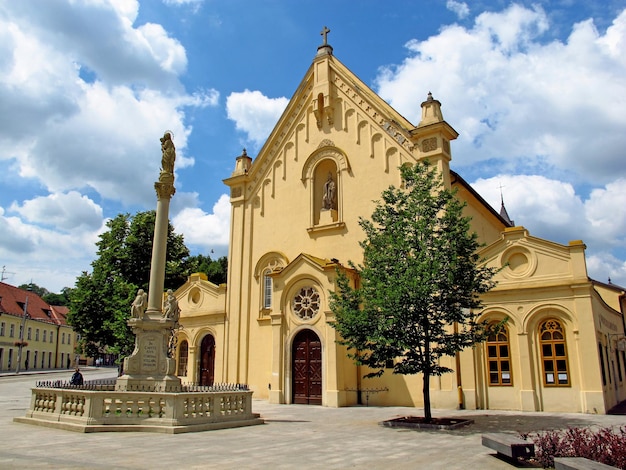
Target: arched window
column 553, row 354
column 183, row 353
column 267, row 289
column 499, row 358
column 270, row 263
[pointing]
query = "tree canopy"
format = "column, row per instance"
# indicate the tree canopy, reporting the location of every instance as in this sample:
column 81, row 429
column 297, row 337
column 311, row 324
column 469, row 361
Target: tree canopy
column 418, row 295
column 47, row 296
column 100, row 302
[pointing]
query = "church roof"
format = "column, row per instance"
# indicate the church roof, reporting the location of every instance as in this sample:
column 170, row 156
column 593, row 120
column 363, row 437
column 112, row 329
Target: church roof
column 456, row 178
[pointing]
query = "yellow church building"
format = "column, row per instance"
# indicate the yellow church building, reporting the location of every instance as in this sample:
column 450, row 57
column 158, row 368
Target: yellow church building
column 294, row 221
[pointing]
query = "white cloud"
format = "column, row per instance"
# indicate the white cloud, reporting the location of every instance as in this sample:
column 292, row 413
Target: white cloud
column 518, row 100
column 604, row 210
column 460, row 9
column 70, row 211
column 209, row 231
column 70, row 134
column 50, row 258
column 603, row 266
column 176, row 3
column 254, row 113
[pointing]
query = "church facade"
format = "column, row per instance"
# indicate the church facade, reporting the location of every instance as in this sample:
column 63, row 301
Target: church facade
column 294, row 222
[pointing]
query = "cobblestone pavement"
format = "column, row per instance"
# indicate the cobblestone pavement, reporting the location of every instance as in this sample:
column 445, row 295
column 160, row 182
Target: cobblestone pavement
column 294, row 437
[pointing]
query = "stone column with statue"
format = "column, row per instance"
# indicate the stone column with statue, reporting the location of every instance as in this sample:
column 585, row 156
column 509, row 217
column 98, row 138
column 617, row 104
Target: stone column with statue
column 153, row 319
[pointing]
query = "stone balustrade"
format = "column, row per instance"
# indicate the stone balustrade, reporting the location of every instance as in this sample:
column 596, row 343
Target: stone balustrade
column 87, row 410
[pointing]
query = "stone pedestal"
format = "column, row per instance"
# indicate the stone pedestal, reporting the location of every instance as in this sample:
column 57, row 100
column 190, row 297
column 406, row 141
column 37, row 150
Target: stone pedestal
column 149, row 365
column 328, row 216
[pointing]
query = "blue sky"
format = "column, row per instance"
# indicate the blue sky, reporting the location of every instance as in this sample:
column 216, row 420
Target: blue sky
column 536, row 90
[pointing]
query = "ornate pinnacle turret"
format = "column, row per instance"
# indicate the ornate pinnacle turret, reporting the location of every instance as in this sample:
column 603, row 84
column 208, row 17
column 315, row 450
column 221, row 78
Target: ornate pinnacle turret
column 243, row 164
column 431, row 111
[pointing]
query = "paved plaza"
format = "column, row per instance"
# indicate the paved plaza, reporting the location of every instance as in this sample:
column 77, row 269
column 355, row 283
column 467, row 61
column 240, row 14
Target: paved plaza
column 294, row 437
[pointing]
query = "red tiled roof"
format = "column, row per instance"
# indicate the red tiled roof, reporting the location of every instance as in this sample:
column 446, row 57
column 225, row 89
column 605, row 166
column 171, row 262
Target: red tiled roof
column 59, row 314
column 13, row 299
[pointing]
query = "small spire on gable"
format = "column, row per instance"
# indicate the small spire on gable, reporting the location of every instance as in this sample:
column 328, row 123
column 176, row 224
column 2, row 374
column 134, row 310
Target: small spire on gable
column 503, row 213
column 431, row 111
column 325, row 48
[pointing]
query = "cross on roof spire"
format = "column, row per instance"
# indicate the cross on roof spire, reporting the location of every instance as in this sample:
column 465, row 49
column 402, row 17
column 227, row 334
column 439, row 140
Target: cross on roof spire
column 324, row 34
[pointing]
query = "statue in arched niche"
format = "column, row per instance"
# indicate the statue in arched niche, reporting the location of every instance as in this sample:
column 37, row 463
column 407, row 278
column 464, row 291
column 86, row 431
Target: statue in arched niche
column 329, row 200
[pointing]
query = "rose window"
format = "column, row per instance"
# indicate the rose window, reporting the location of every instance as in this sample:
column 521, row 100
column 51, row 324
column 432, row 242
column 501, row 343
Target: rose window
column 306, row 303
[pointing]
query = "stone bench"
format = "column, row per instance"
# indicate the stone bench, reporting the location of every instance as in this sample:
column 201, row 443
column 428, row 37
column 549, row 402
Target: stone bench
column 509, row 445
column 579, row 463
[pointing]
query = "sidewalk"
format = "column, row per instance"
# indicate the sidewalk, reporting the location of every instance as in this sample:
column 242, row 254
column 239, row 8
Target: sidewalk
column 294, row 437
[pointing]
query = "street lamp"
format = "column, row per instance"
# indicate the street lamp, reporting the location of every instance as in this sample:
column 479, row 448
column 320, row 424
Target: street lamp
column 21, row 343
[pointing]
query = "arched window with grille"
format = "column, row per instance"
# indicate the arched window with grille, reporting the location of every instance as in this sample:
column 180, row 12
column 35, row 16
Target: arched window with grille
column 499, row 358
column 183, row 354
column 553, row 354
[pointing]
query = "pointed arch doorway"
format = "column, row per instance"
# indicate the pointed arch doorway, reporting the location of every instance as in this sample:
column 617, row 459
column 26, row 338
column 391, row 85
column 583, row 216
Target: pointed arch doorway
column 207, row 360
column 307, row 368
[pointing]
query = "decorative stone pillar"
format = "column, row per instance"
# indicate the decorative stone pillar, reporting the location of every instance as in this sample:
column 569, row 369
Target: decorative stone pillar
column 151, row 365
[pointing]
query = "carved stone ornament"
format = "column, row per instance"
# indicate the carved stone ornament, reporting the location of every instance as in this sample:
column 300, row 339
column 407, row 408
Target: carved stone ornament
column 430, row 144
column 164, row 190
column 326, row 143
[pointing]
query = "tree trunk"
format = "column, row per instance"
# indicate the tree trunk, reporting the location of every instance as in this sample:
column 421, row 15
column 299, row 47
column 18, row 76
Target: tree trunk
column 427, row 413
column 426, row 391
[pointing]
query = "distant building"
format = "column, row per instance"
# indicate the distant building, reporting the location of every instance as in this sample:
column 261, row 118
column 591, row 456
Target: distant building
column 294, row 221
column 47, row 341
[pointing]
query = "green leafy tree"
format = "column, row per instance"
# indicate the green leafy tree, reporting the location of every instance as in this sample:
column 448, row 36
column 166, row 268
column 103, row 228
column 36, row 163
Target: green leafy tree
column 420, row 282
column 62, row 299
column 100, row 302
column 32, row 287
column 48, row 297
column 216, row 270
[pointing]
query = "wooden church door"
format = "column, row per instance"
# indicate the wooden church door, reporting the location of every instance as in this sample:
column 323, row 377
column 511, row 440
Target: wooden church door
column 207, row 360
column 307, row 368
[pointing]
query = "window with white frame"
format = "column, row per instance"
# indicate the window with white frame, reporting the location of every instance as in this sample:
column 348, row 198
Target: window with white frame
column 267, row 289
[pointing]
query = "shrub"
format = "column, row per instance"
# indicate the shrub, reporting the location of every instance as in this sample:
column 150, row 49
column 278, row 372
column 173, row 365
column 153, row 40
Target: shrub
column 605, row 445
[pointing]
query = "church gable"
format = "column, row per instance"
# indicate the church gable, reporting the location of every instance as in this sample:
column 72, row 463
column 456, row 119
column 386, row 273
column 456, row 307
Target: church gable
column 198, row 297
column 335, row 110
column 527, row 260
column 335, row 149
